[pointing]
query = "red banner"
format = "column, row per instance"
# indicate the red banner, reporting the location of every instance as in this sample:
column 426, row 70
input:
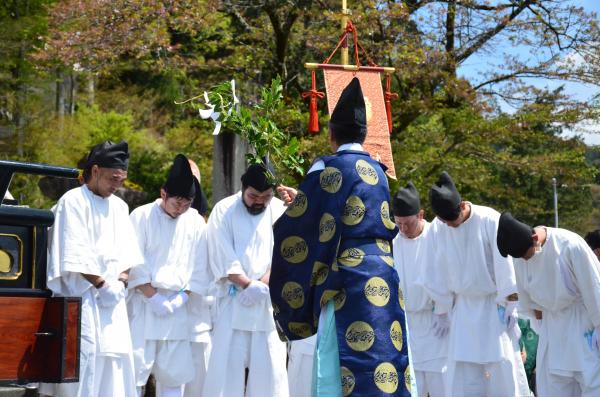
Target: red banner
column 378, row 135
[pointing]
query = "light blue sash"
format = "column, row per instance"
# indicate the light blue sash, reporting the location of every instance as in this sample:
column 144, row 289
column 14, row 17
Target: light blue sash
column 327, row 378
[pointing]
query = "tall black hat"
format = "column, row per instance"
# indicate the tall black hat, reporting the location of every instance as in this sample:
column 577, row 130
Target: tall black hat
column 593, row 239
column 514, row 237
column 180, row 182
column 200, row 202
column 350, row 112
column 444, row 198
column 256, row 176
column 109, row 155
column 406, row 202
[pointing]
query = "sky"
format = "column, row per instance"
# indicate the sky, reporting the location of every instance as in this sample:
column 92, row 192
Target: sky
column 582, row 92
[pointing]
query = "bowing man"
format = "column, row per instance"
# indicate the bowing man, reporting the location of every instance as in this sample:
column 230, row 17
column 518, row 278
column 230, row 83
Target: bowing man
column 559, row 282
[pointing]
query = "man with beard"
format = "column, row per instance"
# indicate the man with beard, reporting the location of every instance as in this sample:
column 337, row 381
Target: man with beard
column 240, row 243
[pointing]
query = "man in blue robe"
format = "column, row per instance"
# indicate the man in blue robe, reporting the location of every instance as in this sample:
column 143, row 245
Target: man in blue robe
column 333, row 270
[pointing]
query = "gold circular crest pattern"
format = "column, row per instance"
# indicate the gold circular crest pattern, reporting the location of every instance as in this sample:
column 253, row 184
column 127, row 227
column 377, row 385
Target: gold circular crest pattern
column 330, row 179
column 401, row 297
column 389, row 260
column 348, row 381
column 354, row 211
column 366, row 172
column 385, row 216
column 319, row 273
column 351, row 257
column 301, row 329
column 407, row 377
column 386, row 377
column 327, row 295
column 383, row 245
column 360, row 336
column 298, row 206
column 294, row 249
column 292, row 293
column 326, row 227
column 339, row 299
column 396, row 335
column 377, row 291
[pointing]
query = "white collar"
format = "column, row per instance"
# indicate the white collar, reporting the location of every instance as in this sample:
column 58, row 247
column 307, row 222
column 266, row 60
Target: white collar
column 351, row 146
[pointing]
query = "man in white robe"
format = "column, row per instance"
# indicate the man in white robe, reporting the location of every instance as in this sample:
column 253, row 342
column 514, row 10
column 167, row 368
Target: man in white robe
column 240, row 243
column 558, row 277
column 92, row 246
column 476, row 285
column 414, row 249
column 171, row 236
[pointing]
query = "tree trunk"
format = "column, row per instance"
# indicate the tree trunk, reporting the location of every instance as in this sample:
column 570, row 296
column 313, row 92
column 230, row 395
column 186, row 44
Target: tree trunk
column 229, row 163
column 60, row 97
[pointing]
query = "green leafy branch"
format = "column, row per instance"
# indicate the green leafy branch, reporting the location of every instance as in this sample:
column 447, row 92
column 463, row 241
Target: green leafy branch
column 257, row 125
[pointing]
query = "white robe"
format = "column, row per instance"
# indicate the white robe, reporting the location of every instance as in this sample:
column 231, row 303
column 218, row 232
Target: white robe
column 411, row 259
column 93, row 235
column 469, row 271
column 563, row 281
column 241, row 243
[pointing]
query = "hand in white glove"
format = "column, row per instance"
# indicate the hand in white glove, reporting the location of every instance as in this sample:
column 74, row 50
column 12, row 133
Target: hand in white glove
column 510, row 314
column 178, row 300
column 253, row 293
column 441, row 325
column 111, row 293
column 160, row 305
column 596, row 340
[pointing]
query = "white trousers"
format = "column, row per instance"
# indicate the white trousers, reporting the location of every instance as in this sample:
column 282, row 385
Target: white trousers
column 112, row 377
column 430, row 382
column 300, row 367
column 169, row 360
column 200, row 355
column 484, row 380
column 233, row 351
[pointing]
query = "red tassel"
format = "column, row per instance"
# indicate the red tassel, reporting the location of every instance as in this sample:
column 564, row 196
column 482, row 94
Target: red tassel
column 313, row 94
column 388, row 101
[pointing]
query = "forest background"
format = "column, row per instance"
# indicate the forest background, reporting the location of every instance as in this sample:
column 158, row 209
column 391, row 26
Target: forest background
column 76, row 72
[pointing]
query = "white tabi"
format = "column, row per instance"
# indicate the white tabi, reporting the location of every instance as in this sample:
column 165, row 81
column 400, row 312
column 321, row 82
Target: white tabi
column 483, row 358
column 162, row 344
column 243, row 336
column 93, row 235
column 563, row 281
column 428, row 352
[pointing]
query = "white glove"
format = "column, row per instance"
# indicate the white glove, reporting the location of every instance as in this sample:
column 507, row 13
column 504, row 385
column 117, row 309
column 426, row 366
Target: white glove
column 441, row 325
column 160, row 305
column 178, row 300
column 111, row 293
column 596, row 340
column 253, row 293
column 510, row 314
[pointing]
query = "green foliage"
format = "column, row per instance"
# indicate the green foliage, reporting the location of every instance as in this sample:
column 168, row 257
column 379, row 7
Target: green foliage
column 257, row 125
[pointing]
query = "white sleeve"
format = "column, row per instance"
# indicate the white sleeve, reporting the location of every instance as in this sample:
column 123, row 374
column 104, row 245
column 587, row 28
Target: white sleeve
column 222, row 257
column 436, row 275
column 201, row 275
column 526, row 304
column 504, row 271
column 139, row 275
column 586, row 270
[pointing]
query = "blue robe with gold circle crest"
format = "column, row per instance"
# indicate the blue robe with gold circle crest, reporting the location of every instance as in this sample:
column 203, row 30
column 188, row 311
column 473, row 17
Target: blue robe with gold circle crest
column 334, row 243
